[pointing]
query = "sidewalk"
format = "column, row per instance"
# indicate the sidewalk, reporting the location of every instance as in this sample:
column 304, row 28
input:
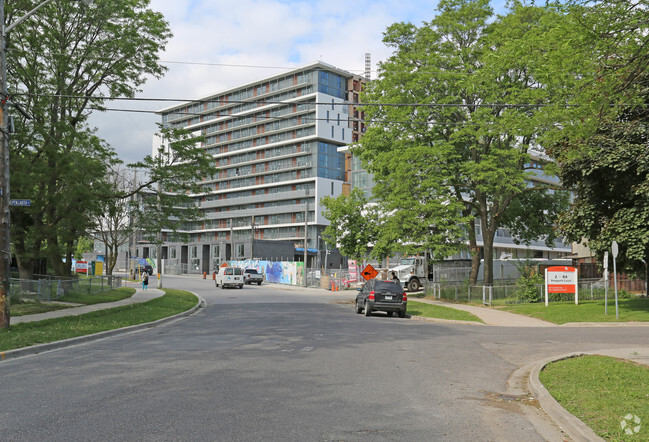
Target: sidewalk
column 139, row 296
column 491, row 316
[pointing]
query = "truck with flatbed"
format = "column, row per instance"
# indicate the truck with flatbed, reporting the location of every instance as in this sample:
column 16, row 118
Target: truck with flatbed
column 252, row 276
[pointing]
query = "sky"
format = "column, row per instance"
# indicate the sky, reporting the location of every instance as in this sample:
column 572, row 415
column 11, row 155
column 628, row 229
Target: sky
column 222, row 44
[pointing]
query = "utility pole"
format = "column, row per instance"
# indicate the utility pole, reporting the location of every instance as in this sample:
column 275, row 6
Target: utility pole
column 306, row 229
column 5, row 223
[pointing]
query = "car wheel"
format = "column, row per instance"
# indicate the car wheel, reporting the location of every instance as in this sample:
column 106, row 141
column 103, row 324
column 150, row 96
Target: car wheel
column 359, row 309
column 222, row 286
column 241, row 286
column 413, row 285
column 259, row 283
column 402, row 313
column 367, row 309
column 389, row 313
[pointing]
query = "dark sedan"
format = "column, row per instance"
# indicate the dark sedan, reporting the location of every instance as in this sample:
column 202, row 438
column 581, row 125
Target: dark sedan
column 385, row 296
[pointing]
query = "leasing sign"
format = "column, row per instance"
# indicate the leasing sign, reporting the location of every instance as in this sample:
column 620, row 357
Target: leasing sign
column 561, row 279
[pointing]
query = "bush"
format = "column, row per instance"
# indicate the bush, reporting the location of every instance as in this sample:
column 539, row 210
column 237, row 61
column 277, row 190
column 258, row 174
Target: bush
column 528, row 290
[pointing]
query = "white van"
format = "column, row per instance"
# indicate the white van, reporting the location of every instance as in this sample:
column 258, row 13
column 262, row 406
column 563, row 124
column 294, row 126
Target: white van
column 229, row 276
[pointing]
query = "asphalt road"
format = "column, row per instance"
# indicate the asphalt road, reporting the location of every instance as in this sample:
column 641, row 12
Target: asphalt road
column 269, row 363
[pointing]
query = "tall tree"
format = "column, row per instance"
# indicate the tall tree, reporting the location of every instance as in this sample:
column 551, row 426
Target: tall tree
column 61, row 62
column 451, row 133
column 602, row 144
column 354, row 224
column 166, row 203
column 113, row 224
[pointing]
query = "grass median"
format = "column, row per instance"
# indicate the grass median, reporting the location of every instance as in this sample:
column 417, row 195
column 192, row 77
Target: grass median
column 630, row 310
column 51, row 330
column 607, row 394
column 439, row 312
column 31, row 308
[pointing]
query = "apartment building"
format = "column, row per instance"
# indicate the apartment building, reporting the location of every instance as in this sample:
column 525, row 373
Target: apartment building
column 275, row 142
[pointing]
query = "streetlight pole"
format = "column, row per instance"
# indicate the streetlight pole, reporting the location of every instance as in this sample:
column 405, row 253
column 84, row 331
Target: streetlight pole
column 5, row 217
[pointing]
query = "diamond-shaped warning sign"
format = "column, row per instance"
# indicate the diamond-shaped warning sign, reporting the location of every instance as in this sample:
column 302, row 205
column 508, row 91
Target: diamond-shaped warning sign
column 369, row 272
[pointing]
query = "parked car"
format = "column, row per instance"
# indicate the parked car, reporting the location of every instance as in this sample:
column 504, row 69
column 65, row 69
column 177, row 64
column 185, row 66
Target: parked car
column 229, row 277
column 144, row 269
column 252, row 276
column 385, row 296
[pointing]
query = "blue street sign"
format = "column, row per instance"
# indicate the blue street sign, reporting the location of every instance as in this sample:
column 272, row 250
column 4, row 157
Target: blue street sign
column 20, row 202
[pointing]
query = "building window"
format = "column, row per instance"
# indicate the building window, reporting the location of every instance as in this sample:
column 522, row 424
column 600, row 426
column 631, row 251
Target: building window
column 240, row 250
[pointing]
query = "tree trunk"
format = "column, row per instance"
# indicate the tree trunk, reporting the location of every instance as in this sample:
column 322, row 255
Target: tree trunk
column 488, row 234
column 475, row 254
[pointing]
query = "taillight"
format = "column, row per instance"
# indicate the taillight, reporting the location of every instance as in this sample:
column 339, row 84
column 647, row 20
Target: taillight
column 371, row 296
column 405, row 297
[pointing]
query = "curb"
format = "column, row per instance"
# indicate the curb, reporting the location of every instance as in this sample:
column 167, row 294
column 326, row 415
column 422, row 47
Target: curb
column 573, row 426
column 41, row 348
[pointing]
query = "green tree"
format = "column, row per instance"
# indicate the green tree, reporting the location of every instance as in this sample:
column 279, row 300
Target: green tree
column 84, row 245
column 594, row 59
column 61, row 61
column 353, row 224
column 165, row 202
column 451, row 133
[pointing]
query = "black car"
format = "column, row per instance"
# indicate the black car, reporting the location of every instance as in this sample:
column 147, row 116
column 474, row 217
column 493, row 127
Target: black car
column 144, row 269
column 385, row 296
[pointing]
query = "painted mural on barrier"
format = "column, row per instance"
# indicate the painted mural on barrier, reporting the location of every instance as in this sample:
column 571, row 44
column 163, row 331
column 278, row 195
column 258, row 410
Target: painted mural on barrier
column 280, row 272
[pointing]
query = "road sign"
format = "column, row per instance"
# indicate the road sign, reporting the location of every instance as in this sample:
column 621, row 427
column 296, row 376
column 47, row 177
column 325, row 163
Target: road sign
column 614, row 248
column 369, row 272
column 20, row 202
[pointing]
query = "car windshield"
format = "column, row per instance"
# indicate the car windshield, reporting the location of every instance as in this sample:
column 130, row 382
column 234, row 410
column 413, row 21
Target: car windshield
column 237, row 271
column 407, row 261
column 251, row 271
column 388, row 286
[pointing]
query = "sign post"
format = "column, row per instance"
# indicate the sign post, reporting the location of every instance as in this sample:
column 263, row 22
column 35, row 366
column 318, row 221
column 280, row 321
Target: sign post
column 561, row 279
column 606, row 283
column 614, row 249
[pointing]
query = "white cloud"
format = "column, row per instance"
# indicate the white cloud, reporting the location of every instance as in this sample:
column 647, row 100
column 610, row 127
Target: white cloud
column 268, row 33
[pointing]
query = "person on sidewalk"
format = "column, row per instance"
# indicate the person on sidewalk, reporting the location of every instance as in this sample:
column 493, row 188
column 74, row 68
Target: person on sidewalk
column 145, row 280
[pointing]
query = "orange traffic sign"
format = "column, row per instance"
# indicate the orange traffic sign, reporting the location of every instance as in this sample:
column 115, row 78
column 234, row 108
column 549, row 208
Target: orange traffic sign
column 369, row 272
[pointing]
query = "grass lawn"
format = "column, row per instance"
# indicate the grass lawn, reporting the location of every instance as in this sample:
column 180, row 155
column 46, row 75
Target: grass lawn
column 50, row 330
column 635, row 309
column 440, row 312
column 30, row 308
column 602, row 392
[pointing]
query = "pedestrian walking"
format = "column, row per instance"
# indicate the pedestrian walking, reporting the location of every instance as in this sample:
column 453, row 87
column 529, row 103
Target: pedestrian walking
column 145, row 280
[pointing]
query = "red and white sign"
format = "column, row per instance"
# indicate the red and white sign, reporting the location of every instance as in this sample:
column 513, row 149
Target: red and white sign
column 81, row 267
column 561, row 279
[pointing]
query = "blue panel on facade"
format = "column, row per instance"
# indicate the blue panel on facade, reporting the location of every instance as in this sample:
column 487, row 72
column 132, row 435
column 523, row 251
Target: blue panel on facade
column 332, row 84
column 331, row 163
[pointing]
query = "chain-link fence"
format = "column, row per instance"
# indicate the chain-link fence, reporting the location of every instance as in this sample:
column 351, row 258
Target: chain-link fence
column 48, row 288
column 514, row 294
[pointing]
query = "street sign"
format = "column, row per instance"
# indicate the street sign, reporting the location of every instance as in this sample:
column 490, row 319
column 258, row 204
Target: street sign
column 369, row 272
column 20, row 202
column 614, row 248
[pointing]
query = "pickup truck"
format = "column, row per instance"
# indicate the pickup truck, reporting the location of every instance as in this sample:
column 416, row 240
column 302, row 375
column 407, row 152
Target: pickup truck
column 251, row 276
